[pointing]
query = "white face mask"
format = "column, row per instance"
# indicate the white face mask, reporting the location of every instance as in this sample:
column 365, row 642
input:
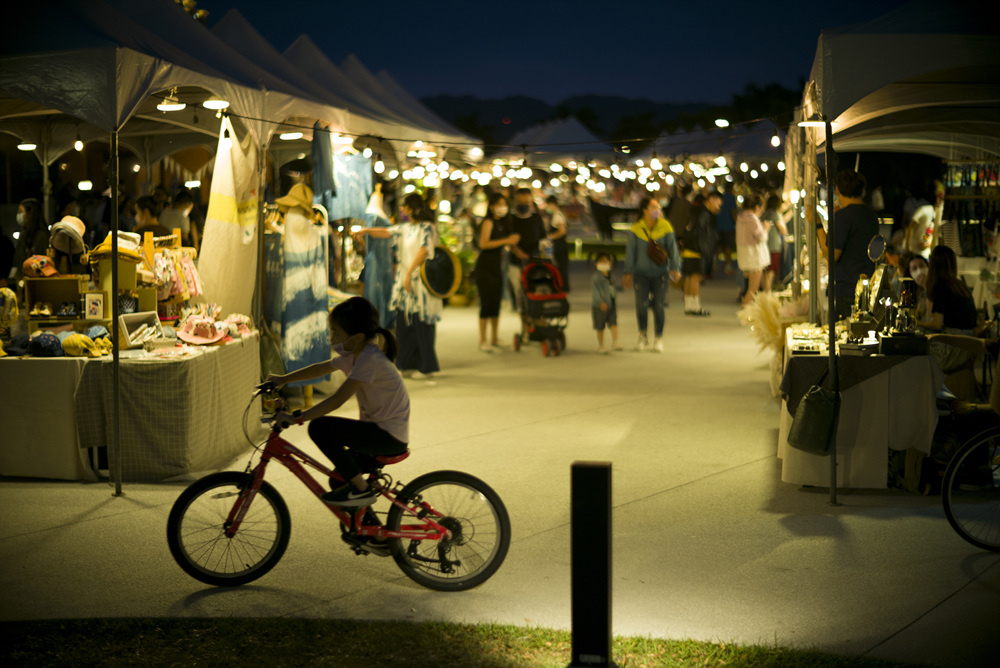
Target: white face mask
column 21, row 219
column 338, row 348
column 603, row 266
column 920, row 276
column 500, row 211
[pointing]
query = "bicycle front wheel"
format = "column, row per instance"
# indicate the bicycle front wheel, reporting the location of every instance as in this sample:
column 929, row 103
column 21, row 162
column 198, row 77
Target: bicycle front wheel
column 197, row 524
column 476, row 518
column 971, row 491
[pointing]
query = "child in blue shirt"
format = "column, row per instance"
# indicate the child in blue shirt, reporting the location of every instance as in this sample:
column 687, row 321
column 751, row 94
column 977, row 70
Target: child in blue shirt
column 605, row 313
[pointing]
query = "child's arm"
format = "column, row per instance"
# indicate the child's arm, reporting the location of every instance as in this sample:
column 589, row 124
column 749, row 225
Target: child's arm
column 305, row 373
column 331, row 403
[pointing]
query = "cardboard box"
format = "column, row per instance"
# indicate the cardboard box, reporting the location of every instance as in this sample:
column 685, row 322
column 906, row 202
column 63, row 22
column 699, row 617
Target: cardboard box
column 129, row 326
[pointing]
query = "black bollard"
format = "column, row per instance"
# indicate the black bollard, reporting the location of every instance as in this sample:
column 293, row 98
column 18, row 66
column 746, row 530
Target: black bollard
column 590, row 572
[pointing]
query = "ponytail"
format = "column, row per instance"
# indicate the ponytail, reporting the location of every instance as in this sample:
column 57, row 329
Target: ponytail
column 357, row 315
column 391, row 345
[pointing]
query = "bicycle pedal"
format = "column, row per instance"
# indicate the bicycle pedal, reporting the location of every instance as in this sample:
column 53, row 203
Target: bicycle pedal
column 363, row 548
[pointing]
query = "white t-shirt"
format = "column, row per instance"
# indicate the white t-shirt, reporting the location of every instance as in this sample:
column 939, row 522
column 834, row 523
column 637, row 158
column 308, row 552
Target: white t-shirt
column 171, row 218
column 381, row 394
column 922, row 237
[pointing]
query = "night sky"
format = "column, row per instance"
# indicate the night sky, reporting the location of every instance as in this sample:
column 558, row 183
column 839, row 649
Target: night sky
column 659, row 50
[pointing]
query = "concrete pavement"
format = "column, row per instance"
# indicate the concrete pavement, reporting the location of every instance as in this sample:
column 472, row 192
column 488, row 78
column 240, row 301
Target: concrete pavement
column 708, row 542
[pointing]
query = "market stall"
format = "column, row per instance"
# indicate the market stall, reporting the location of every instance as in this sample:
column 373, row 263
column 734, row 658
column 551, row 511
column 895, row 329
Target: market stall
column 887, row 403
column 923, row 78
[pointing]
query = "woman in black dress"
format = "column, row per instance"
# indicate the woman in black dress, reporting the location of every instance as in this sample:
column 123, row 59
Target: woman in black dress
column 951, row 308
column 494, row 234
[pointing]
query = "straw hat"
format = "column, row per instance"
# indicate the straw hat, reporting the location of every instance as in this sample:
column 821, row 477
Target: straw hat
column 299, row 195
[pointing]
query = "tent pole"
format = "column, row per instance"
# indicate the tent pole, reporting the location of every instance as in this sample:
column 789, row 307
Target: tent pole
column 46, row 180
column 831, row 179
column 114, row 449
column 259, row 303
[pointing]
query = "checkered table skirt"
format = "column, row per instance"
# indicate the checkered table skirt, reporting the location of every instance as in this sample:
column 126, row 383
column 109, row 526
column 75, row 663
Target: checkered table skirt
column 178, row 416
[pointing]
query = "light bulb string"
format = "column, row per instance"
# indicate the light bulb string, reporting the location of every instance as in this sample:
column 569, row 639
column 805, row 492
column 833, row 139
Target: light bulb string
column 523, row 147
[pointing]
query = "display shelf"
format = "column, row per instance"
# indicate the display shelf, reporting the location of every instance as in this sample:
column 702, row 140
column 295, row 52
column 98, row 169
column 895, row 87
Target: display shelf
column 79, row 324
column 54, row 291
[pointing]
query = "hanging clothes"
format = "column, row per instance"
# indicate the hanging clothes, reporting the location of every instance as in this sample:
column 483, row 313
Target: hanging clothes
column 298, row 313
column 353, row 178
column 377, row 276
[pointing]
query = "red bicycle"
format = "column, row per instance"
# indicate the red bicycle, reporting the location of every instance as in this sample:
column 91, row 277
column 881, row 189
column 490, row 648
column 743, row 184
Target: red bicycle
column 446, row 530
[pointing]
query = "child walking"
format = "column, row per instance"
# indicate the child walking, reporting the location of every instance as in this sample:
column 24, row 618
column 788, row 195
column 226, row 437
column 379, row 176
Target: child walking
column 605, row 313
column 383, row 428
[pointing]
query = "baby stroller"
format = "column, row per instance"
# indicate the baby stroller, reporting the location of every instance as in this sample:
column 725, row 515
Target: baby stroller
column 544, row 308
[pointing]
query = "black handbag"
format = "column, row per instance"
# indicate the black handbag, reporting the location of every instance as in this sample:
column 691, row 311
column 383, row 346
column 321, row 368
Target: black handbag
column 815, row 420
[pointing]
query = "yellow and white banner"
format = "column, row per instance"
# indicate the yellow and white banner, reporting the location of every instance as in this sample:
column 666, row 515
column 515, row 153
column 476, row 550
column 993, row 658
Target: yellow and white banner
column 228, row 259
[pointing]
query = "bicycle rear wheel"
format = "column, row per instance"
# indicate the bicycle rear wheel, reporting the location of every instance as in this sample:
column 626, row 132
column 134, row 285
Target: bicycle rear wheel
column 477, row 520
column 197, row 523
column 971, row 490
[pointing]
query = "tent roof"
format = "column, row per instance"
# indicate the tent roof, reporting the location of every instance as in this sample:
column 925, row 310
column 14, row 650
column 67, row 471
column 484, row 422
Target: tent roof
column 742, row 140
column 418, row 107
column 924, row 62
column 556, row 140
column 234, row 29
column 921, row 37
column 355, row 70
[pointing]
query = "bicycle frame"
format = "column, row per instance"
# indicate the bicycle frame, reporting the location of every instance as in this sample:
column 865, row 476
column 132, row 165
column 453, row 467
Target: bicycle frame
column 295, row 460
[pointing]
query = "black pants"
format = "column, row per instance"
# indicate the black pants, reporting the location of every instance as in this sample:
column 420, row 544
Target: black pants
column 334, row 435
column 416, row 344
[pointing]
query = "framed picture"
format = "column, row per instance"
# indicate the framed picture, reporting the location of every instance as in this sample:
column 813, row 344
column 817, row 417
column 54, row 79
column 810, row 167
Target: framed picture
column 93, row 306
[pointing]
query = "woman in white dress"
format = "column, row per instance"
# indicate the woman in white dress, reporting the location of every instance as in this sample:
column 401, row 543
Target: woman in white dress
column 417, row 310
column 752, row 254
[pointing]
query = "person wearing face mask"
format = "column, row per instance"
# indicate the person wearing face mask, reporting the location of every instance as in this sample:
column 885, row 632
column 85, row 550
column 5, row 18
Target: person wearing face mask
column 913, row 266
column 417, row 310
column 650, row 277
column 494, row 235
column 604, row 311
column 527, row 224
column 364, row 352
column 32, row 239
column 557, row 235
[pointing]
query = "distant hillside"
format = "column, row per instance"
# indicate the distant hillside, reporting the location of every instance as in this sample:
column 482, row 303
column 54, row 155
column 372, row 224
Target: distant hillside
column 495, row 121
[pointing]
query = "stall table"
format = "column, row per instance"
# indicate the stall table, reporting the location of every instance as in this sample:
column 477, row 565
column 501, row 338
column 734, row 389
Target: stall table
column 178, row 416
column 888, row 402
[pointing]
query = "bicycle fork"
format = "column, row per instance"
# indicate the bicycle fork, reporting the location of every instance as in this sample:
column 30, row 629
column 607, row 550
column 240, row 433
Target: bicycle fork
column 244, row 499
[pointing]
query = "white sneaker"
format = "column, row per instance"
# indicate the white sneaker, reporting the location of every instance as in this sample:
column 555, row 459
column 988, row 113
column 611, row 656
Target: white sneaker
column 642, row 343
column 657, row 345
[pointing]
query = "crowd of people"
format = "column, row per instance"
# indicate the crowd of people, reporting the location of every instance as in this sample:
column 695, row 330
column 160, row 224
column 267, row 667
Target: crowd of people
column 676, row 239
column 683, row 237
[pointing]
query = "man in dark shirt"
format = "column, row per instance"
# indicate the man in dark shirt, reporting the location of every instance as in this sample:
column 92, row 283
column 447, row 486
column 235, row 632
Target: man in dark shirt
column 855, row 226
column 527, row 222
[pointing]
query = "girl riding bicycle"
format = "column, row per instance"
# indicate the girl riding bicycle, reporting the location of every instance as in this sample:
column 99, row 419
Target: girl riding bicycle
column 383, row 428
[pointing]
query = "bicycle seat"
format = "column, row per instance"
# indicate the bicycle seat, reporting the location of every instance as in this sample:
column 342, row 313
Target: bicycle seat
column 385, row 460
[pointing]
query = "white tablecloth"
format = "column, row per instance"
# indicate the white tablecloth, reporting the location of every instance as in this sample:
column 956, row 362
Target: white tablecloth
column 894, row 409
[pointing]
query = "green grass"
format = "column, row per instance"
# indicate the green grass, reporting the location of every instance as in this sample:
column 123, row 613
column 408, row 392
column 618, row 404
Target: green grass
column 322, row 642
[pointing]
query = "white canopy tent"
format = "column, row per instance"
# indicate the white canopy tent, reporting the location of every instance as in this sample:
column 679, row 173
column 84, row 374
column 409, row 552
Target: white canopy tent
column 94, row 68
column 924, row 78
column 555, row 141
